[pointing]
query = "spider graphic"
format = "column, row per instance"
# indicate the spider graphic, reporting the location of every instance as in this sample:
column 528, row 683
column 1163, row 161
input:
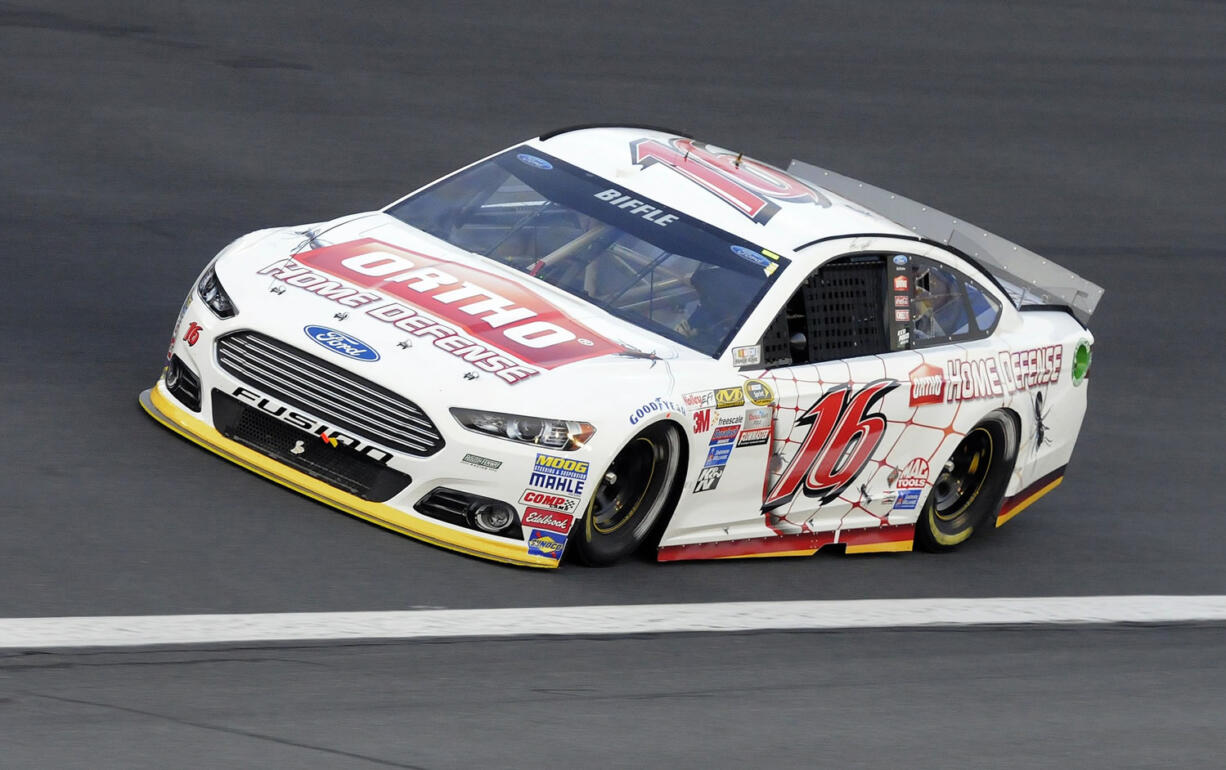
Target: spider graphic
column 1040, row 422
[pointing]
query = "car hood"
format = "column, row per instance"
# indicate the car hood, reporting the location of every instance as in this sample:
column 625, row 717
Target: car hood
column 401, row 307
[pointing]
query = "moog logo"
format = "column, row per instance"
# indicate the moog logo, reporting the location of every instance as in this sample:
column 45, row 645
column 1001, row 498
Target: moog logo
column 339, row 342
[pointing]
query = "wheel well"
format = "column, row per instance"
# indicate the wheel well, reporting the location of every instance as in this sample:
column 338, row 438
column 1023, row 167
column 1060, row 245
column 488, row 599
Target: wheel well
column 652, row 541
column 685, row 452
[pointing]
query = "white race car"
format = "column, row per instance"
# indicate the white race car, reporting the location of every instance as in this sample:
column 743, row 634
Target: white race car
column 614, row 338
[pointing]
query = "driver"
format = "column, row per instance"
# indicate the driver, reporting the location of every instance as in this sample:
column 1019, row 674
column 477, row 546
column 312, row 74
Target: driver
column 720, row 302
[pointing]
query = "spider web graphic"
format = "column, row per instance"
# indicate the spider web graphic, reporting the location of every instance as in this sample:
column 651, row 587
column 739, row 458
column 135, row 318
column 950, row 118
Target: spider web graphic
column 939, row 421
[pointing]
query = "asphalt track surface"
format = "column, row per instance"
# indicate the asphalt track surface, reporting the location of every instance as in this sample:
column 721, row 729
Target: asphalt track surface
column 137, row 139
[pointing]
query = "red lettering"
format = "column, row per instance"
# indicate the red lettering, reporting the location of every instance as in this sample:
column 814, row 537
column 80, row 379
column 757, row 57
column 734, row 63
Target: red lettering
column 747, row 185
column 842, row 437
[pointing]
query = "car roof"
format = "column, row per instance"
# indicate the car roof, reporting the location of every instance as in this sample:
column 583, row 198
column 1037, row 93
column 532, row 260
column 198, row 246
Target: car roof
column 671, row 169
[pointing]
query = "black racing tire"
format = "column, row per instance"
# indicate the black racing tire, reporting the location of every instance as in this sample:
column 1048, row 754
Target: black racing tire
column 634, row 494
column 971, row 486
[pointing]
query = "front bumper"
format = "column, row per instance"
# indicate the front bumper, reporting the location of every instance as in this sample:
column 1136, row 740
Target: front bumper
column 168, row 413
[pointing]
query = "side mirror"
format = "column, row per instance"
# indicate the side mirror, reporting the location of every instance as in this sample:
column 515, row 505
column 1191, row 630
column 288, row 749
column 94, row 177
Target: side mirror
column 799, row 341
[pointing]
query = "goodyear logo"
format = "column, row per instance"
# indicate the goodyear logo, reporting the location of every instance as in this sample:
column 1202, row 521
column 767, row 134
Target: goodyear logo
column 728, row 397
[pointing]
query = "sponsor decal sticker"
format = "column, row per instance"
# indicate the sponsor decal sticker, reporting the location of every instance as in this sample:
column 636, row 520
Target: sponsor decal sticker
column 559, row 473
column 553, row 502
column 481, row 462
column 902, row 314
column 757, row 418
column 702, row 421
column 545, row 543
column 1016, row 372
column 700, row 400
column 907, row 500
column 708, row 478
column 1081, row 362
column 726, row 398
column 927, row 385
column 554, row 521
column 902, row 300
column 901, row 283
column 718, row 454
column 659, row 404
column 759, row 392
column 495, row 310
column 913, row 475
column 750, row 355
column 534, row 161
column 900, row 259
column 749, row 255
column 339, row 342
column 725, row 435
column 175, row 329
column 754, row 437
column 730, row 420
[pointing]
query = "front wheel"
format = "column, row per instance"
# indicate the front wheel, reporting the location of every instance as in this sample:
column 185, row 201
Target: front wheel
column 636, row 490
column 970, row 486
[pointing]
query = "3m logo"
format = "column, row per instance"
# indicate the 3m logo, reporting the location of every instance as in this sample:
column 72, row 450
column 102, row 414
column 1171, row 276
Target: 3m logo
column 927, row 385
column 702, row 421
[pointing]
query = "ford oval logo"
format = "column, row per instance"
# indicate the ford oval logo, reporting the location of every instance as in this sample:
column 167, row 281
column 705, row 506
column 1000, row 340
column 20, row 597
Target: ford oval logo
column 339, row 342
column 534, row 161
column 751, row 256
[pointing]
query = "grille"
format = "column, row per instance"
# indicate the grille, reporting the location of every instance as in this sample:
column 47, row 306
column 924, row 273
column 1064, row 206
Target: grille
column 341, row 466
column 328, row 392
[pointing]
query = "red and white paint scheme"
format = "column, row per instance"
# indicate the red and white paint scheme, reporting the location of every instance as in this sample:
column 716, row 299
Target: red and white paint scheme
column 844, row 449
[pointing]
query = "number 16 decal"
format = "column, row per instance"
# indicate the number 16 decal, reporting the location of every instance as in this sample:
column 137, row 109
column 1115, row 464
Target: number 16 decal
column 842, row 436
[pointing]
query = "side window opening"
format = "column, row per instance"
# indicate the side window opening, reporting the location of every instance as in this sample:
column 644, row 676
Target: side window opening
column 947, row 306
column 985, row 309
column 838, row 312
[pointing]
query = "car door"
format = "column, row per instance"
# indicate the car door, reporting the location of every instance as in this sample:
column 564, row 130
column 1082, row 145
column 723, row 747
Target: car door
column 830, row 356
column 870, row 359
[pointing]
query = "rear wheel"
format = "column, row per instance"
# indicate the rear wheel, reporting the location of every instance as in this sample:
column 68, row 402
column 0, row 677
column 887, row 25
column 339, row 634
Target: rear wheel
column 970, row 486
column 636, row 490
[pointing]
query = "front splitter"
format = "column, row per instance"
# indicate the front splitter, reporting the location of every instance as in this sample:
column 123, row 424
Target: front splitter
column 162, row 409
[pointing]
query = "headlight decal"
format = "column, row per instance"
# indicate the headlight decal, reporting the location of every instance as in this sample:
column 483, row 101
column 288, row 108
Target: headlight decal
column 563, row 435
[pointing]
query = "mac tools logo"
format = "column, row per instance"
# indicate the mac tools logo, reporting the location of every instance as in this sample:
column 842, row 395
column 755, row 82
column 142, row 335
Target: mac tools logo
column 339, row 342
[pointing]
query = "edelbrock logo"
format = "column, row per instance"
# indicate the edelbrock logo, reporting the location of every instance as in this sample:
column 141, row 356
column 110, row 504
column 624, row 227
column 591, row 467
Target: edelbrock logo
column 339, row 342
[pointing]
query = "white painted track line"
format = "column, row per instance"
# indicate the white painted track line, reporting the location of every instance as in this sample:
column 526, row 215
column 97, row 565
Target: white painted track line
column 141, row 630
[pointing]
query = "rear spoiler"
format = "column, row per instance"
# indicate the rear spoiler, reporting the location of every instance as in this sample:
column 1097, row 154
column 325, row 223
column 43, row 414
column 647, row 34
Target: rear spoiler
column 1028, row 279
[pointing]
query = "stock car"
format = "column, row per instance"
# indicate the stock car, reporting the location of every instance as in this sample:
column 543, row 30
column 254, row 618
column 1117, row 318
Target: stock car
column 618, row 339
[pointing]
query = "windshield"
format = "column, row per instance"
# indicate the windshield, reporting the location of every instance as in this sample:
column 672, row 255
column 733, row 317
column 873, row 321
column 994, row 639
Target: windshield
column 637, row 259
